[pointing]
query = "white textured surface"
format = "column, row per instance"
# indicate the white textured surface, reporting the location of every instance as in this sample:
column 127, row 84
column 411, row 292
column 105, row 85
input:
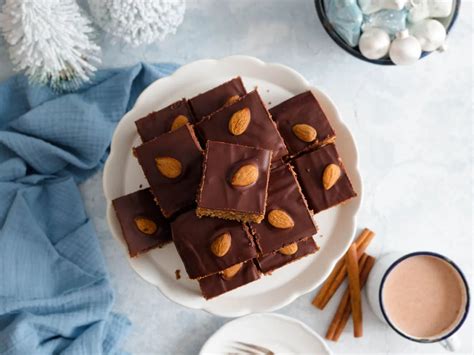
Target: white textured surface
column 414, row 131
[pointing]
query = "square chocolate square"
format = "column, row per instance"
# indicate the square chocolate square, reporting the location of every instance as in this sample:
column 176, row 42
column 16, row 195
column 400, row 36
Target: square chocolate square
column 165, row 120
column 287, row 217
column 234, row 277
column 234, row 182
column 302, row 123
column 323, row 178
column 212, row 100
column 143, row 226
column 246, row 122
column 209, row 245
column 172, row 164
column 286, row 255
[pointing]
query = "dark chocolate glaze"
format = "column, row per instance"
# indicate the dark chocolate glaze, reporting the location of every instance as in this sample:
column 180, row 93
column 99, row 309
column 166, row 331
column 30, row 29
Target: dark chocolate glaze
column 221, row 161
column 310, row 168
column 206, row 103
column 173, row 195
column 159, row 122
column 275, row 260
column 193, row 237
column 302, row 108
column 284, row 193
column 261, row 132
column 216, row 285
column 141, row 204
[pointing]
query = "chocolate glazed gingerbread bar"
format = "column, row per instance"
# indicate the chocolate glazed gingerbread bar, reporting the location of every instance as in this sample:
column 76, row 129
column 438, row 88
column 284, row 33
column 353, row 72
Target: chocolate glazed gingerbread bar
column 211, row 245
column 165, row 120
column 323, row 178
column 245, row 122
column 287, row 219
column 302, row 123
column 143, row 226
column 231, row 278
column 234, row 182
column 287, row 254
column 212, row 100
column 172, row 165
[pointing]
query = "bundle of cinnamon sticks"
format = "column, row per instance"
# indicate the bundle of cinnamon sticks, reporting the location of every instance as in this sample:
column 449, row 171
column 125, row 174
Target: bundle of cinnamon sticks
column 356, row 264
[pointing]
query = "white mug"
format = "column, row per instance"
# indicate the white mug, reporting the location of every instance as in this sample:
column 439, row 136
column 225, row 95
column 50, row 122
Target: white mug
column 374, row 289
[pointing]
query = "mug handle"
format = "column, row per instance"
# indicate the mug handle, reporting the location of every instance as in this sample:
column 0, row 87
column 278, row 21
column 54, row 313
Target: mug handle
column 451, row 344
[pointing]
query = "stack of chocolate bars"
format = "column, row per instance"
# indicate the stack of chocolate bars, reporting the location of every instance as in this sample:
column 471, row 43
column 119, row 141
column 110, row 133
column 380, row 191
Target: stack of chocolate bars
column 233, row 185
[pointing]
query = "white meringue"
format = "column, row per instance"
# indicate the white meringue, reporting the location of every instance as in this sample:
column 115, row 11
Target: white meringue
column 374, row 43
column 405, row 49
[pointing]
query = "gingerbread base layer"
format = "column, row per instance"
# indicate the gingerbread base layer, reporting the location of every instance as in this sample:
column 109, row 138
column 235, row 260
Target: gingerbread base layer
column 230, row 215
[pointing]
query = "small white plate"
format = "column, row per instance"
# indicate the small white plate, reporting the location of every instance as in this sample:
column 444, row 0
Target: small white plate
column 275, row 332
column 122, row 175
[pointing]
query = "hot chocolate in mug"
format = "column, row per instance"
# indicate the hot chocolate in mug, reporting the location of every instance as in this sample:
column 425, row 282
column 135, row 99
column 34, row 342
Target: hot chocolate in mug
column 423, row 296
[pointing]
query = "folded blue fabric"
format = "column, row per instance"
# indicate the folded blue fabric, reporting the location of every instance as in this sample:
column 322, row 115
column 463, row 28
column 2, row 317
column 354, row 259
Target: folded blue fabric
column 55, row 295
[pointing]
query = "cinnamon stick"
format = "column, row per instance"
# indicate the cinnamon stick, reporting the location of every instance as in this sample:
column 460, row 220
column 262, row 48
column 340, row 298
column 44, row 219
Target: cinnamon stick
column 364, row 274
column 354, row 289
column 343, row 305
column 339, row 272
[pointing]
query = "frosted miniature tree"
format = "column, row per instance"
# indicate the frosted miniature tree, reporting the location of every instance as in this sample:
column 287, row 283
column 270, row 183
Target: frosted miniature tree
column 50, row 41
column 138, row 22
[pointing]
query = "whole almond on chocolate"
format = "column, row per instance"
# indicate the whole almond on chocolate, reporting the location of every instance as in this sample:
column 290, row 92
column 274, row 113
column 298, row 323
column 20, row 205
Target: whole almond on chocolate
column 331, row 174
column 304, row 132
column 169, row 167
column 289, row 249
column 246, row 175
column 231, row 271
column 239, row 121
column 232, row 100
column 221, row 245
column 280, row 219
column 145, row 225
column 179, row 122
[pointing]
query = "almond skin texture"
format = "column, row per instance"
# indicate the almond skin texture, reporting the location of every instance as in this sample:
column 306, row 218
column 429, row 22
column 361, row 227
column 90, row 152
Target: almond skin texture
column 331, row 174
column 239, row 122
column 280, row 219
column 231, row 100
column 145, row 225
column 231, row 271
column 289, row 249
column 304, row 132
column 179, row 122
column 221, row 245
column 246, row 175
column 169, row 167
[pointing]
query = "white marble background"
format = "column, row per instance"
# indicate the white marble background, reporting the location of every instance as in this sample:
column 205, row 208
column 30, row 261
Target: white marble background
column 414, row 131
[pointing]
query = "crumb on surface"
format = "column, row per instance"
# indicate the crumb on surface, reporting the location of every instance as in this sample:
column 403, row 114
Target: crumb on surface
column 177, row 272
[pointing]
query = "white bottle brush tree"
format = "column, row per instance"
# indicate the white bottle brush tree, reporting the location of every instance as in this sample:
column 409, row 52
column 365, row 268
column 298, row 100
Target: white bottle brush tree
column 138, row 22
column 50, row 41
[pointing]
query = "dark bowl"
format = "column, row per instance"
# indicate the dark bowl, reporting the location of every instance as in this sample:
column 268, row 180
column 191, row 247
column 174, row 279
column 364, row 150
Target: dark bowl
column 448, row 23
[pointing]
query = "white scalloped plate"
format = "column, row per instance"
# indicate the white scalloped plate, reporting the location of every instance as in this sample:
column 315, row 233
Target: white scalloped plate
column 122, row 175
column 268, row 330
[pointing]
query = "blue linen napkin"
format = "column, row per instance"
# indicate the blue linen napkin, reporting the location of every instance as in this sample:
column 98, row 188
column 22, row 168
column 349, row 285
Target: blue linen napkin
column 55, row 295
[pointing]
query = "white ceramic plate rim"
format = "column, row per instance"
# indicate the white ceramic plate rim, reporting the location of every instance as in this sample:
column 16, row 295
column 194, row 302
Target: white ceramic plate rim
column 278, row 71
column 235, row 323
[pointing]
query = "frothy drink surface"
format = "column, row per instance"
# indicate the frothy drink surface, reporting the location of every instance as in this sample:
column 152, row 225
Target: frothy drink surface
column 424, row 296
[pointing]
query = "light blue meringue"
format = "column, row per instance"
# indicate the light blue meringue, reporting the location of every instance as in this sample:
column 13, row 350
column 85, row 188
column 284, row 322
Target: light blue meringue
column 346, row 18
column 391, row 21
